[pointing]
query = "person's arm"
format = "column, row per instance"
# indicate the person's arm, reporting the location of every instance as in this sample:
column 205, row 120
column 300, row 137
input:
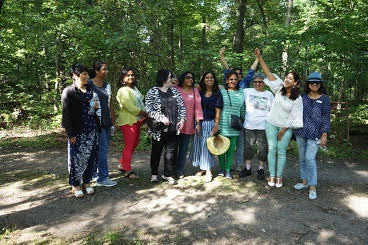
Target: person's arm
column 112, row 111
column 66, row 120
column 264, row 66
column 217, row 121
column 326, row 109
column 281, row 133
column 222, row 59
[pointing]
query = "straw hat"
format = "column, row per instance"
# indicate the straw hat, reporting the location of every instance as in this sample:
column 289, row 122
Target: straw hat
column 218, row 144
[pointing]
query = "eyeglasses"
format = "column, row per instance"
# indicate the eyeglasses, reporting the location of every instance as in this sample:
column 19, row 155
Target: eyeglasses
column 189, row 77
column 316, row 83
column 257, row 81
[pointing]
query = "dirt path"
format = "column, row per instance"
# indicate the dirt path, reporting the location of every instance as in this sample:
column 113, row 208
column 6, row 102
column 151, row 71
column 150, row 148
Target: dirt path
column 36, row 205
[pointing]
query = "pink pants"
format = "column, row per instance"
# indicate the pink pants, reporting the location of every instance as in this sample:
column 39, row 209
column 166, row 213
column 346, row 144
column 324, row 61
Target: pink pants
column 131, row 140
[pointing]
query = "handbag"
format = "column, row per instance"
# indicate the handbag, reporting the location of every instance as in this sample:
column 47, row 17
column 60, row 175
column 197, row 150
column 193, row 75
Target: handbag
column 155, row 125
column 236, row 122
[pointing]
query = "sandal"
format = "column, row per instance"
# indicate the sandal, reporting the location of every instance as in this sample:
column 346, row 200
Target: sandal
column 131, row 175
column 88, row 189
column 200, row 173
column 278, row 182
column 77, row 193
column 271, row 181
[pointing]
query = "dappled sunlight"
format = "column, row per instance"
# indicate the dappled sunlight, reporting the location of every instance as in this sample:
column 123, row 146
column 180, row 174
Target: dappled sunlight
column 244, row 216
column 361, row 173
column 324, row 235
column 358, row 204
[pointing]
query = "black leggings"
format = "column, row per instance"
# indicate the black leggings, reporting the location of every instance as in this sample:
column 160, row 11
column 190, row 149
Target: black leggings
column 171, row 145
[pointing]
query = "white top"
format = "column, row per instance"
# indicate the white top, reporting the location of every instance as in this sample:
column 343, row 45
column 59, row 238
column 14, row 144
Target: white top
column 257, row 107
column 285, row 113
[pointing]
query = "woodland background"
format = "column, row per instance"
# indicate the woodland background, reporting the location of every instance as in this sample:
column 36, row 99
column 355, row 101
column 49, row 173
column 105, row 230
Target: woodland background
column 40, row 40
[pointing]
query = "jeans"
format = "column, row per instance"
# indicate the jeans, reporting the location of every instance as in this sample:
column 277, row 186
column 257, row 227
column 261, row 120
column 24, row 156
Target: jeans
column 103, row 147
column 131, row 140
column 239, row 153
column 307, row 150
column 170, row 142
column 182, row 152
column 276, row 146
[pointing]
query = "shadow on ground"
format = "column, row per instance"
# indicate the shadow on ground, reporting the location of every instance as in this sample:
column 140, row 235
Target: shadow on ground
column 36, row 205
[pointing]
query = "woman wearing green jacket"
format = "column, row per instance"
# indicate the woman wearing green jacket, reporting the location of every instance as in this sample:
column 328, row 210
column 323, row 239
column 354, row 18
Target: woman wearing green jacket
column 131, row 115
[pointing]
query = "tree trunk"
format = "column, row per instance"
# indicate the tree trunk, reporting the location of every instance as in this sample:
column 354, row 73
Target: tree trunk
column 287, row 24
column 57, row 81
column 203, row 44
column 264, row 17
column 239, row 37
column 171, row 37
column 1, row 5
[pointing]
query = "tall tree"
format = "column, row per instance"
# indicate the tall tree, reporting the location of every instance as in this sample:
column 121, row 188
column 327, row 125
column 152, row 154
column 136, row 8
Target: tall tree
column 239, row 36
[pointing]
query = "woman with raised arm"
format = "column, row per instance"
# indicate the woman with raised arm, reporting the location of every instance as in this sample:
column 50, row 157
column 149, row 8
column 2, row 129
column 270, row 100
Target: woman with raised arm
column 131, row 115
column 80, row 122
column 286, row 114
column 233, row 98
column 212, row 103
column 164, row 105
column 316, row 125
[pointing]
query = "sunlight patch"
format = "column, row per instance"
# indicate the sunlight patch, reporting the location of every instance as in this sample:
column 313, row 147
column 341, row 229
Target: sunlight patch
column 359, row 204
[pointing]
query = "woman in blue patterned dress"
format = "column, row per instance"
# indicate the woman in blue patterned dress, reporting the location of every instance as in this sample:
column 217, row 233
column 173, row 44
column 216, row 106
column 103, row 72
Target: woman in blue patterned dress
column 212, row 103
column 316, row 125
column 80, row 122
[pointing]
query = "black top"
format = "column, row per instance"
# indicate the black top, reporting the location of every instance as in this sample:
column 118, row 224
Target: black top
column 71, row 100
column 169, row 108
column 209, row 105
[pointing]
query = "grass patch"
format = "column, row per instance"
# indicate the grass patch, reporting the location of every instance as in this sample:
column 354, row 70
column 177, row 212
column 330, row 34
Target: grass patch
column 111, row 237
column 49, row 141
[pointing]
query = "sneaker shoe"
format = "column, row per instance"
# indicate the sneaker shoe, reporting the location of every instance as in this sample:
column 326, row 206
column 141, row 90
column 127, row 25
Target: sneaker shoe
column 169, row 179
column 260, row 174
column 245, row 172
column 228, row 175
column 300, row 186
column 312, row 195
column 106, row 182
column 208, row 177
column 154, row 178
column 222, row 173
column 180, row 175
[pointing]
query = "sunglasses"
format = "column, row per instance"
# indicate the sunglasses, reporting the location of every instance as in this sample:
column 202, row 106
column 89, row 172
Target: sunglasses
column 189, row 77
column 257, row 81
column 314, row 83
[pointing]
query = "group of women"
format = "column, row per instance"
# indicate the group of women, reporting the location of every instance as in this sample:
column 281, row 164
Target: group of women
column 177, row 110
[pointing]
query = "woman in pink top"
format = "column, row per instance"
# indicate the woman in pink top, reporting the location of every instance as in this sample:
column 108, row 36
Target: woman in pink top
column 192, row 102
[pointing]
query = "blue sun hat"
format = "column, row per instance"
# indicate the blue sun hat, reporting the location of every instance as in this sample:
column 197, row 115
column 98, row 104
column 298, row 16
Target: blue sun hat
column 315, row 77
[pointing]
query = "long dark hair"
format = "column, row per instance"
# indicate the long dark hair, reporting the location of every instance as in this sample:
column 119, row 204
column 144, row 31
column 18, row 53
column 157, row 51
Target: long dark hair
column 321, row 90
column 77, row 69
column 123, row 72
column 182, row 77
column 215, row 87
column 228, row 76
column 294, row 93
column 96, row 66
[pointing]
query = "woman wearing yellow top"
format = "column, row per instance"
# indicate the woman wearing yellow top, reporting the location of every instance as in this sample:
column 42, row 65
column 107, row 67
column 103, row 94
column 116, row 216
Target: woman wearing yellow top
column 131, row 115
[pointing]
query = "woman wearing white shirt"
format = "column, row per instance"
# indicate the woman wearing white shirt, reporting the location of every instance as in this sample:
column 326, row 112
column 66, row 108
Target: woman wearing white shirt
column 286, row 113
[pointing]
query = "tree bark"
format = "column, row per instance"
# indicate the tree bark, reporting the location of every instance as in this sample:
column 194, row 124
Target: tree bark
column 239, row 37
column 203, row 44
column 287, row 24
column 264, row 17
column 1, row 5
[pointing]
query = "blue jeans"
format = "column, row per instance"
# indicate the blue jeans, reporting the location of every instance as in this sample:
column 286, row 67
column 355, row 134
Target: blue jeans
column 307, row 149
column 276, row 146
column 182, row 152
column 103, row 147
column 239, row 153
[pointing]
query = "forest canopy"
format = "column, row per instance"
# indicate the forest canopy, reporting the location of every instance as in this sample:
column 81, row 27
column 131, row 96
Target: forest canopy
column 41, row 39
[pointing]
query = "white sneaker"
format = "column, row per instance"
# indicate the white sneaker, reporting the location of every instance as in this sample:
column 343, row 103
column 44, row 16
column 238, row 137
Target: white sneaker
column 154, row 178
column 312, row 195
column 300, row 186
column 170, row 179
column 107, row 182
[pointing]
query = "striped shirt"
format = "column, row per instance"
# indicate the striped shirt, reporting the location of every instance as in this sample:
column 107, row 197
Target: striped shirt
column 237, row 102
